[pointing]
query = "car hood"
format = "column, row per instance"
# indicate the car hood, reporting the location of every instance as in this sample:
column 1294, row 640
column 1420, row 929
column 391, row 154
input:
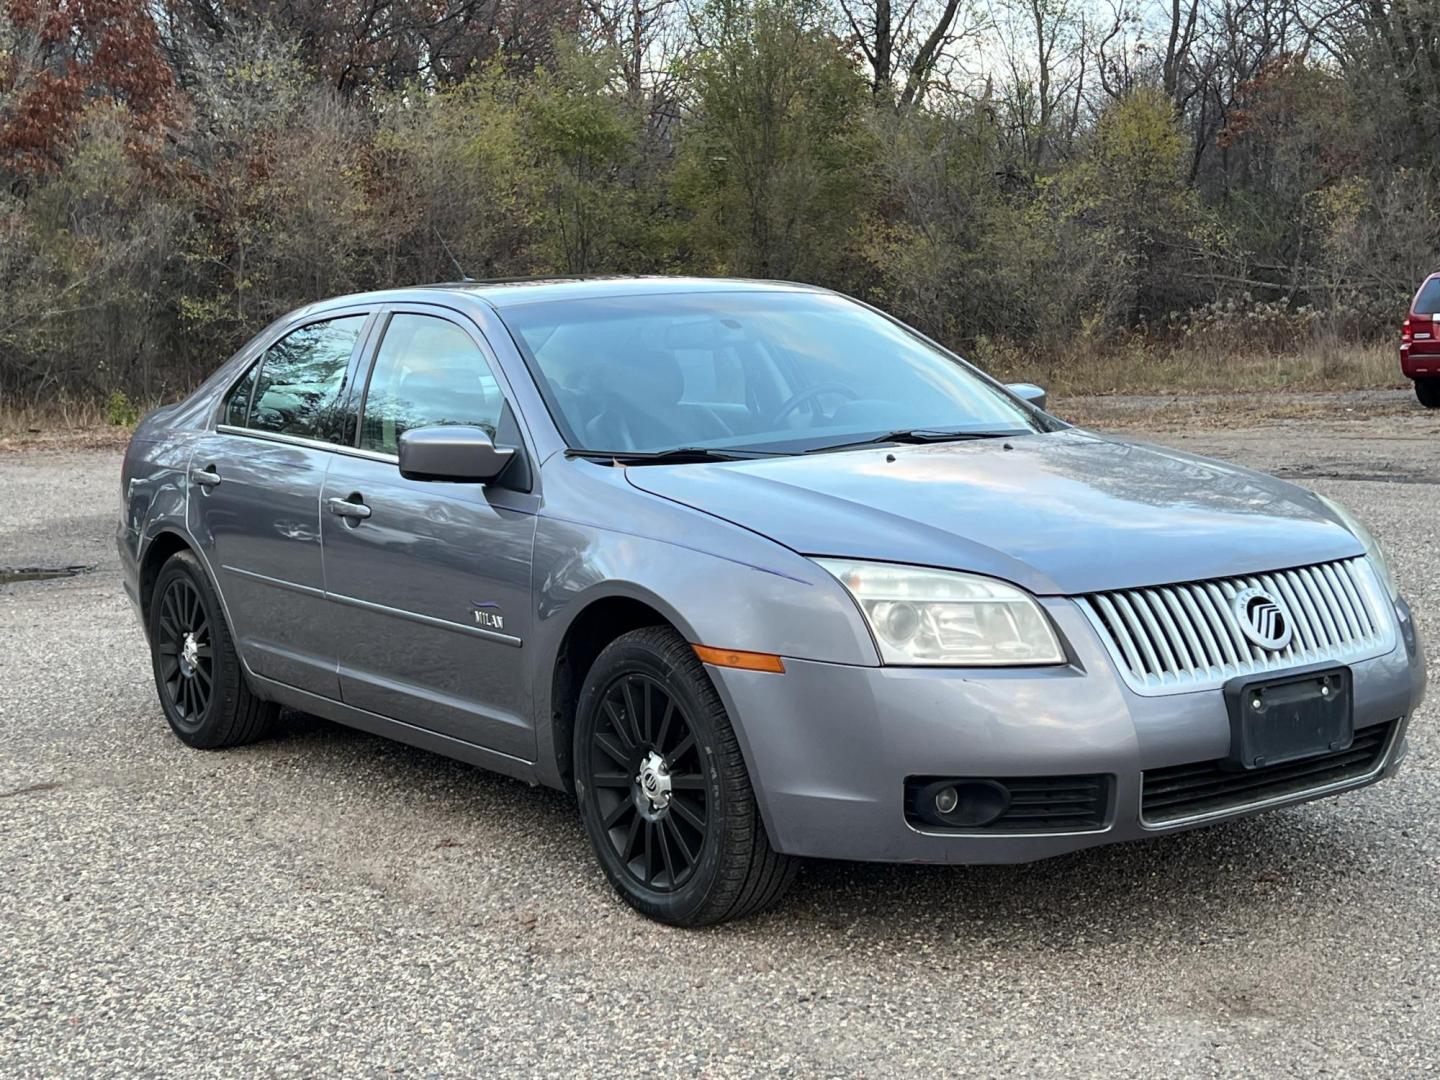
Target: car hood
column 1063, row 513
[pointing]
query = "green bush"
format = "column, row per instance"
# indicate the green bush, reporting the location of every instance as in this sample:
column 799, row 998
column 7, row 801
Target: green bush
column 120, row 411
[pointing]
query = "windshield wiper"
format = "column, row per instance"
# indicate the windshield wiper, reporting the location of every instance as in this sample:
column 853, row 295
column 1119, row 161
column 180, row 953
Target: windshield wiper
column 678, row 455
column 917, row 436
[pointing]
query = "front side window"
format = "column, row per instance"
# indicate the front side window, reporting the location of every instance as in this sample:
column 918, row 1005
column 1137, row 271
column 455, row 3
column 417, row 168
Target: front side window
column 301, row 379
column 761, row 371
column 428, row 371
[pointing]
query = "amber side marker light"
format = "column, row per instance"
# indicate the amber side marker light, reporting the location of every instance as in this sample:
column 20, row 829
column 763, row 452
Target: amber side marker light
column 750, row 661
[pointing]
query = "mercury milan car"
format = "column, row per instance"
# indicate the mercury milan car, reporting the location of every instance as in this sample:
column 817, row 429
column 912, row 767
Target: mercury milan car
column 756, row 572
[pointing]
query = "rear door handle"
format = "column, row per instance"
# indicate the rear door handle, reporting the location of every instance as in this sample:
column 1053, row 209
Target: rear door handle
column 206, row 477
column 349, row 508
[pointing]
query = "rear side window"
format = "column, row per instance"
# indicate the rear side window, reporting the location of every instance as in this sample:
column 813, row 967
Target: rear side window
column 428, row 372
column 301, row 379
column 1428, row 302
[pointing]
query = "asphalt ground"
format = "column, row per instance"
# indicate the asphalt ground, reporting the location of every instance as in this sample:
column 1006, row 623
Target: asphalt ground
column 328, row 903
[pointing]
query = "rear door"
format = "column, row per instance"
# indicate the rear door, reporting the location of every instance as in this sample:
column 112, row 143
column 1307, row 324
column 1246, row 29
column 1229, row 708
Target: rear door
column 254, row 503
column 431, row 581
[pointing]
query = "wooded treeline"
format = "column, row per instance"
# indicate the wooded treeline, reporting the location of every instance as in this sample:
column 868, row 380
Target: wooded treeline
column 1012, row 176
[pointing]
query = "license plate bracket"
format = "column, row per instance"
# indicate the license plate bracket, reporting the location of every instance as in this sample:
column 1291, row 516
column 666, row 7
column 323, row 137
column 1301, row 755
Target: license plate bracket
column 1296, row 716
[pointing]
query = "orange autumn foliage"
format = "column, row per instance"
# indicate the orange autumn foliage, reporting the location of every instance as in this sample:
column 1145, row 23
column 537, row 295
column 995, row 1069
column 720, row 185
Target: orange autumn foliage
column 74, row 53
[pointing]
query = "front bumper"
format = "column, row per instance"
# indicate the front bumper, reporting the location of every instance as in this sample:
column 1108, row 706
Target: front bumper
column 829, row 746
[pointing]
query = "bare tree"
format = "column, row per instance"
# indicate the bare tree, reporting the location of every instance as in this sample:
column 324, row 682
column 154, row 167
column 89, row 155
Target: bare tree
column 1042, row 45
column 649, row 40
column 1237, row 42
column 1151, row 41
column 1394, row 46
column 904, row 47
column 360, row 45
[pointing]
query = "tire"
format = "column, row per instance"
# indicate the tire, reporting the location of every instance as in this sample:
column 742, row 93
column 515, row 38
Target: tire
column 1428, row 391
column 202, row 687
column 648, row 702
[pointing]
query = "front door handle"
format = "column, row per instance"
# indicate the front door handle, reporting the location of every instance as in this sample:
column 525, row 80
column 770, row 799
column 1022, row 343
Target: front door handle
column 206, row 477
column 351, row 508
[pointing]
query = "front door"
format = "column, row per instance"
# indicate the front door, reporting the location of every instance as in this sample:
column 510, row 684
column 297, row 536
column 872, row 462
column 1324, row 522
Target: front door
column 430, row 581
column 255, row 487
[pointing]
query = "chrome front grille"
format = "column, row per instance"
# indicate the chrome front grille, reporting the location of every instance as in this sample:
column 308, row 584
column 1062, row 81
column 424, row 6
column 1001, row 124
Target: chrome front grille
column 1172, row 639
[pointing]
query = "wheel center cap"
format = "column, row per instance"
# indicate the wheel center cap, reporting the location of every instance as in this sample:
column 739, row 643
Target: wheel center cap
column 189, row 654
column 654, row 781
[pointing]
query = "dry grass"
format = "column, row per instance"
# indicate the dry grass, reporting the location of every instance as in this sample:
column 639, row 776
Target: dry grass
column 1209, row 410
column 62, row 422
column 61, row 413
column 1139, row 367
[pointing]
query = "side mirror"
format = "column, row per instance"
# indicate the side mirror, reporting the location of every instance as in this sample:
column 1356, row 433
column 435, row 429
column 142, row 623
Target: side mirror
column 458, row 454
column 1025, row 391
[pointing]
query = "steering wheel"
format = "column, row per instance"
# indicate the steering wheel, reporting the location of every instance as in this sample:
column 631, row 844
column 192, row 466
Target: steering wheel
column 795, row 400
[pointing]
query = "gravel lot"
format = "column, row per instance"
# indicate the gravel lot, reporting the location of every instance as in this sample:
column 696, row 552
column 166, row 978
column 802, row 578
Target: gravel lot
column 328, row 903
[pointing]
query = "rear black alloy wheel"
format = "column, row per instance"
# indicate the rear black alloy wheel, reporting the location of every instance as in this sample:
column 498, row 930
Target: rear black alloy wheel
column 186, row 656
column 1427, row 391
column 663, row 789
column 198, row 674
column 649, row 789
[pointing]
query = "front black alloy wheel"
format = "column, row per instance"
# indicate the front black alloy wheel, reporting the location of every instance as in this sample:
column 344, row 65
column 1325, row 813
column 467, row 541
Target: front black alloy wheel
column 663, row 789
column 198, row 674
column 649, row 789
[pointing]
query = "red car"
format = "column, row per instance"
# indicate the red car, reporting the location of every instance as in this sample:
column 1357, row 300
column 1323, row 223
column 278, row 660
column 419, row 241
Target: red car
column 1420, row 343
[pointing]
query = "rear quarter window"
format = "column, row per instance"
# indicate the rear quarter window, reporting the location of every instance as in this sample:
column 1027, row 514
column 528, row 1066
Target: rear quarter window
column 1427, row 302
column 237, row 405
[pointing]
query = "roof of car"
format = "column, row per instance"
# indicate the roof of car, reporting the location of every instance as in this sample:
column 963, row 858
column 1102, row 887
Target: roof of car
column 509, row 293
column 517, row 291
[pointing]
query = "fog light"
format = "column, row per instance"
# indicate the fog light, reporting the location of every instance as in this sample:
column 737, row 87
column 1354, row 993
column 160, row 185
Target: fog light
column 960, row 803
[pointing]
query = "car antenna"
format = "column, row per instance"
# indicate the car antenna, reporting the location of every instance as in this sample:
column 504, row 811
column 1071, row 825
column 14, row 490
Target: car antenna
column 451, row 256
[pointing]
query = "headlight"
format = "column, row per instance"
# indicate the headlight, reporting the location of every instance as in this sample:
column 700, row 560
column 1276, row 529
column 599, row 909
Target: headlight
column 942, row 617
column 1372, row 546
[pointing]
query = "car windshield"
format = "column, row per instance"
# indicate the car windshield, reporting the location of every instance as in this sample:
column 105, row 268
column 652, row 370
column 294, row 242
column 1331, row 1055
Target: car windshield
column 781, row 372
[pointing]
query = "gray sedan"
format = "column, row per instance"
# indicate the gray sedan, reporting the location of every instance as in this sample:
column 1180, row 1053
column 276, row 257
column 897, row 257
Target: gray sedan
column 757, row 573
